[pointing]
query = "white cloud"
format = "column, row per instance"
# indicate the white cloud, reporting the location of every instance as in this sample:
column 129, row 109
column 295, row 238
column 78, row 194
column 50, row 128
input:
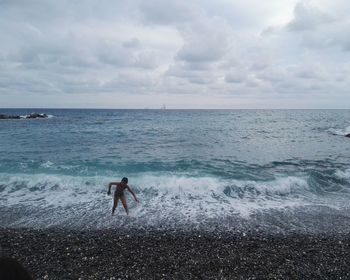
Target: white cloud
column 233, row 52
column 205, row 40
column 320, row 28
column 308, row 17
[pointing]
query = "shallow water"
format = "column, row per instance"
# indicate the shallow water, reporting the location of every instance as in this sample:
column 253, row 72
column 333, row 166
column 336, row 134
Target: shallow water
column 272, row 169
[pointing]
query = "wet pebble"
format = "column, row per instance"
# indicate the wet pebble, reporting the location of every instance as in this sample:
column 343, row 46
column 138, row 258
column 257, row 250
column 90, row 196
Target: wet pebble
column 109, row 254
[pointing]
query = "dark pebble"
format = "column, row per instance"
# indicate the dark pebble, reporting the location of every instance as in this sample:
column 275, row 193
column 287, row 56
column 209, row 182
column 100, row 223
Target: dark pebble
column 111, row 254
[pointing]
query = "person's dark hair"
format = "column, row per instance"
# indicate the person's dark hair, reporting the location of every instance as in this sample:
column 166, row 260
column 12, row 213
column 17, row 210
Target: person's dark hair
column 11, row 269
column 125, row 180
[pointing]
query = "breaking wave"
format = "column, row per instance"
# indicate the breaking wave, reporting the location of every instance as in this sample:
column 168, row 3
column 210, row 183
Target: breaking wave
column 170, row 200
column 342, row 132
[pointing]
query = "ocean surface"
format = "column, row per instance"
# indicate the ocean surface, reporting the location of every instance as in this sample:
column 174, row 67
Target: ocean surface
column 234, row 170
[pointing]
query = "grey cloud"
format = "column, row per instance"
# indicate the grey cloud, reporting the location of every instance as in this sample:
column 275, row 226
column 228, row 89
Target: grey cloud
column 198, row 48
column 130, row 81
column 196, row 75
column 205, row 41
column 145, row 59
column 307, row 17
column 114, row 54
column 252, row 82
column 306, row 74
column 132, row 43
column 273, row 74
column 167, row 11
column 319, row 29
column 236, row 76
column 259, row 65
column 121, row 57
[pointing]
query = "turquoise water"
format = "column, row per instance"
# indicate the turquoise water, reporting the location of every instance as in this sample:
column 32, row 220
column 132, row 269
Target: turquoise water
column 190, row 168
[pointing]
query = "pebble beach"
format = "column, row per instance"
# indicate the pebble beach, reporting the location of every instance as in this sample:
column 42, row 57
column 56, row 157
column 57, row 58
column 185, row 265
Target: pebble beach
column 112, row 254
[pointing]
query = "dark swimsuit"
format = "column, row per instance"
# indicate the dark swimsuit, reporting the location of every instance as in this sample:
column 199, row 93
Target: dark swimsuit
column 119, row 193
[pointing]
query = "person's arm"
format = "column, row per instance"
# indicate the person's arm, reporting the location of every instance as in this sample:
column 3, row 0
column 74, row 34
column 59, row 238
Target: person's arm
column 133, row 194
column 109, row 187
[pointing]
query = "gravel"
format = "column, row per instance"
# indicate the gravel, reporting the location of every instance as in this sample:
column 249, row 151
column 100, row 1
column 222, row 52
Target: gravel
column 115, row 254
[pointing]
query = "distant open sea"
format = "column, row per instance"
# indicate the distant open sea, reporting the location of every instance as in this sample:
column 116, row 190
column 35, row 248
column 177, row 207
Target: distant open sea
column 269, row 170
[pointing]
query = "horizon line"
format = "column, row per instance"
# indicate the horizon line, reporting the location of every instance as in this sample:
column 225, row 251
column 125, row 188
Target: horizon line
column 162, row 109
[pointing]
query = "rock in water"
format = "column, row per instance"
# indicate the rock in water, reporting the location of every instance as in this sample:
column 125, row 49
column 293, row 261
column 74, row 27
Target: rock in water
column 347, row 135
column 7, row 117
column 36, row 116
column 31, row 116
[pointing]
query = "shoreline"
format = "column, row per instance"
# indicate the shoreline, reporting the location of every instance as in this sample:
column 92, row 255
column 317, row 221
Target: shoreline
column 132, row 254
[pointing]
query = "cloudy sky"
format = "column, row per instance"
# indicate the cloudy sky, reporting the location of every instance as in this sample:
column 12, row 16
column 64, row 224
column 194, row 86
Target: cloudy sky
column 182, row 53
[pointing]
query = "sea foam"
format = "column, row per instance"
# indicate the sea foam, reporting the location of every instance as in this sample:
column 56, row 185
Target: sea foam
column 342, row 131
column 57, row 200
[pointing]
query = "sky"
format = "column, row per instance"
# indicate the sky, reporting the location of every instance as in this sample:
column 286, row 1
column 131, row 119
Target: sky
column 182, row 53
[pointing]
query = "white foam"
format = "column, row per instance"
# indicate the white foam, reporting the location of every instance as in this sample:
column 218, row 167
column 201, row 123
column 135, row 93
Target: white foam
column 60, row 200
column 42, row 191
column 192, row 197
column 341, row 132
column 47, row 164
column 26, row 116
column 343, row 174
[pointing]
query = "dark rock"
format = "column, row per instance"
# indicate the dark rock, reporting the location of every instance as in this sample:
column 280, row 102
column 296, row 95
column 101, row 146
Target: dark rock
column 7, row 117
column 347, row 135
column 36, row 116
column 31, row 116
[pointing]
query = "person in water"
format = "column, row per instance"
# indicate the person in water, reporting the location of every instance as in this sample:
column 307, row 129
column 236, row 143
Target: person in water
column 119, row 194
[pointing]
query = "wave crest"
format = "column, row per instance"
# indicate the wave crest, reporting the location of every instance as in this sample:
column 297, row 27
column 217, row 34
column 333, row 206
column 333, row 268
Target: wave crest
column 341, row 132
column 57, row 200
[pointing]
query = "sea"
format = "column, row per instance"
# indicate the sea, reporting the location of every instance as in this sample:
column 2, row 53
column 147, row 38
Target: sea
column 277, row 171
